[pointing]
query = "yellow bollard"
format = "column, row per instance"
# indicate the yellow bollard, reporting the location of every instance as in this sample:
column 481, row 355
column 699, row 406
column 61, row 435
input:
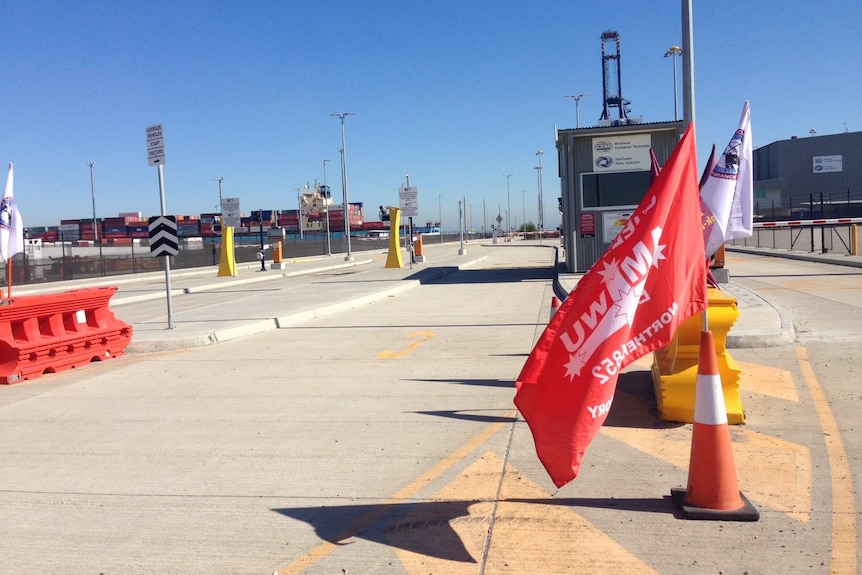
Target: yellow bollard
column 854, row 240
column 227, row 265
column 393, row 259
column 674, row 369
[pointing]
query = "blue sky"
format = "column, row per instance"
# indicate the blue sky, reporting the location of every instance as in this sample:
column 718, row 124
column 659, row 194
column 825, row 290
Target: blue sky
column 458, row 93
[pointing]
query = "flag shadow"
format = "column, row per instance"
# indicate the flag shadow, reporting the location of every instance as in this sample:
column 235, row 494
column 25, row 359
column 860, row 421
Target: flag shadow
column 422, row 528
column 476, row 382
column 635, row 404
column 469, row 415
column 426, row 528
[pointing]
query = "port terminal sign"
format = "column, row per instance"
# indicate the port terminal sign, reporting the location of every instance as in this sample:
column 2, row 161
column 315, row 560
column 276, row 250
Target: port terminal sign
column 408, row 201
column 230, row 212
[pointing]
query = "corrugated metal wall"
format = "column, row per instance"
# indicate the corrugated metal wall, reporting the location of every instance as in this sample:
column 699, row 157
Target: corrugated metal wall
column 788, row 166
column 575, row 150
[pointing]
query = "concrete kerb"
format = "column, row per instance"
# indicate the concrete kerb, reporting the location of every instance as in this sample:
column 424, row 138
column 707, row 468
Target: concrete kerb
column 760, row 330
column 233, row 282
column 292, row 319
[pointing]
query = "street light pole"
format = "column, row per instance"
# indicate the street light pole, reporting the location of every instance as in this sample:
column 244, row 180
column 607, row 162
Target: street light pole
column 524, row 209
column 95, row 223
column 673, row 52
column 577, row 100
column 541, row 217
column 326, row 195
column 349, row 256
column 440, row 216
column 508, row 206
column 219, row 180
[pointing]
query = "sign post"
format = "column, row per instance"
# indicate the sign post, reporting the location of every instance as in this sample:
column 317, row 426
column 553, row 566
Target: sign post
column 156, row 157
column 408, row 203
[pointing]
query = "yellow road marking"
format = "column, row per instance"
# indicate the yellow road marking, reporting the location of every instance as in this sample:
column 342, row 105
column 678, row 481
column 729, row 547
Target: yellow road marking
column 425, row 335
column 771, row 381
column 323, row 549
column 843, row 559
column 529, row 536
column 774, row 472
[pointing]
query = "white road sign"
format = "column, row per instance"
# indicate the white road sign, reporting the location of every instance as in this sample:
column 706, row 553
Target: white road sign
column 408, row 201
column 155, row 145
column 230, row 212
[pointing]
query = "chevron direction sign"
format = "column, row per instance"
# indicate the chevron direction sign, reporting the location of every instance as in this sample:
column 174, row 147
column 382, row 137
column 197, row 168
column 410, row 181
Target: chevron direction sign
column 163, row 236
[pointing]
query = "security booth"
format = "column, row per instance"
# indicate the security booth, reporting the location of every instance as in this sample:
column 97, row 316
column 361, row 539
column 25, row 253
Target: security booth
column 605, row 171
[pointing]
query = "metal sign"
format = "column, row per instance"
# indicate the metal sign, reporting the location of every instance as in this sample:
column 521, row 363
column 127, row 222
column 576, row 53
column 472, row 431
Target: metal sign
column 828, row 164
column 588, row 224
column 408, row 201
column 230, row 213
column 622, row 153
column 163, row 236
column 155, row 145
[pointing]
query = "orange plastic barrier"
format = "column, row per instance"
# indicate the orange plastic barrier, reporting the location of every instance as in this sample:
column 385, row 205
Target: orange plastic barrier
column 54, row 332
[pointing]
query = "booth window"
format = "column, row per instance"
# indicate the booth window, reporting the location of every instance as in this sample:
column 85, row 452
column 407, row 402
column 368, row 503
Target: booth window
column 614, row 189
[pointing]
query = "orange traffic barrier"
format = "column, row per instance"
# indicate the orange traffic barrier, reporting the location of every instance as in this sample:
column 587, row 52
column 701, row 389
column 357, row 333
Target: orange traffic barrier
column 417, row 246
column 276, row 253
column 555, row 305
column 54, row 332
column 713, row 490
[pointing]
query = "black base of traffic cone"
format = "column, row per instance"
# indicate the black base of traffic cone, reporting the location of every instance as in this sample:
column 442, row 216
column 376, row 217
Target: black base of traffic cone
column 745, row 513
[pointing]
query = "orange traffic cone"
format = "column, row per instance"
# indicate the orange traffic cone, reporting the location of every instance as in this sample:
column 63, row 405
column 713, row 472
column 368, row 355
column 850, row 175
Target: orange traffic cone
column 713, row 491
column 555, row 305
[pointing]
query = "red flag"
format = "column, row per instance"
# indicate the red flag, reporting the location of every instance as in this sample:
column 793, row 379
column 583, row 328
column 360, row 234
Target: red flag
column 630, row 303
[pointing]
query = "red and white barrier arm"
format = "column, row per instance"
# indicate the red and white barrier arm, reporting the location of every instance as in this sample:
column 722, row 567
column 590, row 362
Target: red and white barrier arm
column 797, row 223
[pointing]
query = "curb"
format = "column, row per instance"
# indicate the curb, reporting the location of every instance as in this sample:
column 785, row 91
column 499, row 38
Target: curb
column 285, row 321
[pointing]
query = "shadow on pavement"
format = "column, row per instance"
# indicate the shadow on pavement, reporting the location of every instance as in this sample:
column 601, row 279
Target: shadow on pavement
column 497, row 275
column 635, row 404
column 425, row 528
column 389, row 524
column 477, row 382
column 469, row 415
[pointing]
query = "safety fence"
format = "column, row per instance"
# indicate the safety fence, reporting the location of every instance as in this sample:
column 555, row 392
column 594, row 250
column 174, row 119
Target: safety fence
column 846, row 203
column 68, row 260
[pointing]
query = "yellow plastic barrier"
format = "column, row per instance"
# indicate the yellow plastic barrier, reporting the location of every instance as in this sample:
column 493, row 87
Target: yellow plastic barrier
column 674, row 369
column 227, row 264
column 393, row 259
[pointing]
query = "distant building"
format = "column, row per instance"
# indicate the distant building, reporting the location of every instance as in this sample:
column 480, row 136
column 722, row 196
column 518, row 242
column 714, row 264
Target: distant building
column 789, row 174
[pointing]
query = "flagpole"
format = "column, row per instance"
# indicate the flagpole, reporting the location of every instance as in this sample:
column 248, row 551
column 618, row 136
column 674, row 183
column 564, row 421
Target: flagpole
column 9, row 280
column 688, row 90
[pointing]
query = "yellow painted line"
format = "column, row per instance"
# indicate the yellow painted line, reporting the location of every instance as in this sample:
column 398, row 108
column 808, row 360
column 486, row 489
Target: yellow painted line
column 843, row 560
column 323, row 549
column 765, row 380
column 770, row 470
column 425, row 336
column 529, row 536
